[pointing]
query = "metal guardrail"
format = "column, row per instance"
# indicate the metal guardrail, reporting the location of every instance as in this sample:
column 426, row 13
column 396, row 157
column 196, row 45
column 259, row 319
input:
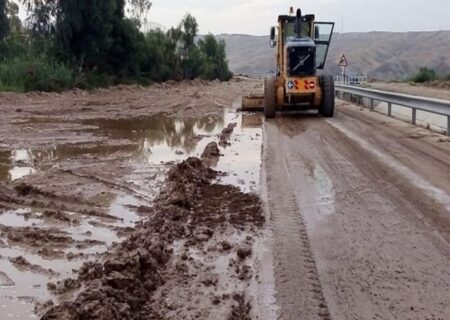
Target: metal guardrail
column 440, row 107
column 350, row 80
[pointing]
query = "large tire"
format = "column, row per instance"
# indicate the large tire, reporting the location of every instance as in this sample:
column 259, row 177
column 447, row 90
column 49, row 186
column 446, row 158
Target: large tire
column 327, row 105
column 270, row 97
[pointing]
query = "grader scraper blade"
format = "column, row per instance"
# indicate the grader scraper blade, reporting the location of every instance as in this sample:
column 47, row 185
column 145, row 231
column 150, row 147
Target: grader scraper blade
column 253, row 102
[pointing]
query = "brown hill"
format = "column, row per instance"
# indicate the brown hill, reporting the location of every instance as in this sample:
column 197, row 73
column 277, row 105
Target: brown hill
column 379, row 55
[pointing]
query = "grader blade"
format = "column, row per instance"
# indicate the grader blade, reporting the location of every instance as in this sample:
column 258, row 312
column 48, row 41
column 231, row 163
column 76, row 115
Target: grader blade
column 253, row 102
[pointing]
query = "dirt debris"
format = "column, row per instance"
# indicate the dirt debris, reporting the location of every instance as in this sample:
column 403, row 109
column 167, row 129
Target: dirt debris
column 53, row 206
column 50, row 253
column 183, row 184
column 60, row 216
column 6, row 281
column 241, row 308
column 36, row 237
column 211, row 151
column 211, row 154
column 23, row 264
column 438, row 84
column 226, row 134
column 244, row 252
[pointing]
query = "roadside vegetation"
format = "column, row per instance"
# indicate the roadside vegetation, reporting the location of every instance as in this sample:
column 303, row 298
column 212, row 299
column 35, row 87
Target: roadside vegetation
column 89, row 44
column 426, row 75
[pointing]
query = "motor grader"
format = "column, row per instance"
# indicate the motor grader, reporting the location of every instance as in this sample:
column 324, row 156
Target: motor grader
column 301, row 50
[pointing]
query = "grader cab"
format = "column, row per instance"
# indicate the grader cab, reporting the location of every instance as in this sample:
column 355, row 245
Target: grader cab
column 301, row 49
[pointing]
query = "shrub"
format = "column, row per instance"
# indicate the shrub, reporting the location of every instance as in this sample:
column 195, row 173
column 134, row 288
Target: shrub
column 36, row 73
column 424, row 75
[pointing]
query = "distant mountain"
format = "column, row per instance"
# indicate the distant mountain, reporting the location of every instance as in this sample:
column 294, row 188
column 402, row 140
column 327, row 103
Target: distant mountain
column 379, row 55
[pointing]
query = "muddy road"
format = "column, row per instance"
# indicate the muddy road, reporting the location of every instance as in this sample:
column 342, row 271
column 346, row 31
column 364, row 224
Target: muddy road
column 79, row 174
column 360, row 214
column 166, row 203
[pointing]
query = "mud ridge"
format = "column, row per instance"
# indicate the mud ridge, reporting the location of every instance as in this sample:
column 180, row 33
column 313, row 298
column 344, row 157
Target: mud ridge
column 166, row 268
column 54, row 206
column 226, row 134
column 23, row 264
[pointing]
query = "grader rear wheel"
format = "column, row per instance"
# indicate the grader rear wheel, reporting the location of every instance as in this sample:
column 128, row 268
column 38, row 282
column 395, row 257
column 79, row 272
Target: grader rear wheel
column 270, row 97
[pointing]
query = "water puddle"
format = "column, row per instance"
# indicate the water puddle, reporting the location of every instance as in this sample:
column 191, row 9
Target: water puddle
column 17, row 219
column 325, row 193
column 242, row 160
column 163, row 140
column 154, row 141
column 317, row 200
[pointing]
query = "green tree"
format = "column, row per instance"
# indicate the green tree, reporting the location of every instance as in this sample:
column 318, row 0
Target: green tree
column 92, row 43
column 12, row 11
column 192, row 59
column 215, row 65
column 189, row 29
column 162, row 61
column 4, row 22
column 84, row 31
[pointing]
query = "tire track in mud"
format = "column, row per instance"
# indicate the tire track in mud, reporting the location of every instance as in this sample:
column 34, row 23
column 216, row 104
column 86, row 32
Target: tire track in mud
column 376, row 245
column 139, row 194
column 299, row 290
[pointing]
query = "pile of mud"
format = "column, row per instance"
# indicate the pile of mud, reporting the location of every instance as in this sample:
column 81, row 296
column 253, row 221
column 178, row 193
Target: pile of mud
column 191, row 257
column 438, row 84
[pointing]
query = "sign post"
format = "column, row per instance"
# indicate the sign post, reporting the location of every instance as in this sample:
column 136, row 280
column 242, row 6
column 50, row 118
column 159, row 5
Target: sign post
column 343, row 64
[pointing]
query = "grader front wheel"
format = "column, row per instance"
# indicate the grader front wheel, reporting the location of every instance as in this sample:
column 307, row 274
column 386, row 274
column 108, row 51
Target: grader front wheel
column 270, row 97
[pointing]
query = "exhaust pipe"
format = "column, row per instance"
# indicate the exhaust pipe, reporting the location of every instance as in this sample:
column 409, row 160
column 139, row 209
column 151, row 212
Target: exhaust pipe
column 298, row 24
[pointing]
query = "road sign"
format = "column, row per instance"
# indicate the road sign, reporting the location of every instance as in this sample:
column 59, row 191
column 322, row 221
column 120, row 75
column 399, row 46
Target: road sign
column 343, row 62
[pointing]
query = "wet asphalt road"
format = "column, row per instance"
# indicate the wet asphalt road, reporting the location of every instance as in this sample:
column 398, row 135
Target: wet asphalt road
column 359, row 209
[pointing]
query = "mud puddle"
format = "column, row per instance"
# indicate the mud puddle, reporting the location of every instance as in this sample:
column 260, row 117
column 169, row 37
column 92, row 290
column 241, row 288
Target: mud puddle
column 121, row 171
column 163, row 140
column 15, row 164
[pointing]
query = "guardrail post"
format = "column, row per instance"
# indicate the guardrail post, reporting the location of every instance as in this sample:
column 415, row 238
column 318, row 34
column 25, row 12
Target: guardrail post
column 414, row 116
column 448, row 126
column 372, row 104
column 389, row 109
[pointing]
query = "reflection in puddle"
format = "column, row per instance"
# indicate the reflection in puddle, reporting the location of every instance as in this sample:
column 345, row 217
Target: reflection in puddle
column 17, row 173
column 160, row 138
column 16, row 164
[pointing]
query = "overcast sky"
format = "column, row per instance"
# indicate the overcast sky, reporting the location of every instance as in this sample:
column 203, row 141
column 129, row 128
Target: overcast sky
column 256, row 16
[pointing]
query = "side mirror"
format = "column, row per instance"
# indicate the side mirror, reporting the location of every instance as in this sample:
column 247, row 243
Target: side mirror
column 273, row 42
column 316, row 33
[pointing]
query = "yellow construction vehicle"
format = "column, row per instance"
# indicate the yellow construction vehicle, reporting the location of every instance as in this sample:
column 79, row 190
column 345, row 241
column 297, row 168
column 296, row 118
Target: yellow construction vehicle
column 301, row 49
